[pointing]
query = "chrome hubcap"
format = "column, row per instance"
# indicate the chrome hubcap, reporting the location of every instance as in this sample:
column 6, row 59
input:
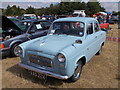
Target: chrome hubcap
column 77, row 71
column 15, row 51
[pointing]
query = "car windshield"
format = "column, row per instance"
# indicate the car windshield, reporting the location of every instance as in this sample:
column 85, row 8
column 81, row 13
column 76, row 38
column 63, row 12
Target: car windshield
column 37, row 26
column 24, row 25
column 68, row 28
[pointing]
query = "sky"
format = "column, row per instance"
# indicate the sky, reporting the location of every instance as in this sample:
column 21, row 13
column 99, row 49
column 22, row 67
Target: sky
column 109, row 5
column 53, row 0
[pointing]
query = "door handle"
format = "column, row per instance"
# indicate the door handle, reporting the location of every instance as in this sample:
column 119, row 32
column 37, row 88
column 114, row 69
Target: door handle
column 87, row 48
column 95, row 36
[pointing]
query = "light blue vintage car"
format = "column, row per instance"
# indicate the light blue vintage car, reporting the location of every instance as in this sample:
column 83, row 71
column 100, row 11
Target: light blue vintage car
column 70, row 43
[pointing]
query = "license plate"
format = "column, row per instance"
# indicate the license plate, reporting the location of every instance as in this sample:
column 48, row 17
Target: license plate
column 39, row 75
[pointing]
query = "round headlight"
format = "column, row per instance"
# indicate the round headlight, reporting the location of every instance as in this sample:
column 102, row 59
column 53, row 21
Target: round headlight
column 18, row 51
column 61, row 58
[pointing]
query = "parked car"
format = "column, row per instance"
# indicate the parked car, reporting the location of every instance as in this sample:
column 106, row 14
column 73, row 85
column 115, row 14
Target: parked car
column 15, row 20
column 30, row 29
column 78, row 13
column 29, row 16
column 61, row 16
column 48, row 17
column 105, row 26
column 70, row 44
column 114, row 18
column 9, row 28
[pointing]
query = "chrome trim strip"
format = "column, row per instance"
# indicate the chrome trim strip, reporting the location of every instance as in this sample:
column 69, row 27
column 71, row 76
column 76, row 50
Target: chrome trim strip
column 5, row 48
column 43, row 71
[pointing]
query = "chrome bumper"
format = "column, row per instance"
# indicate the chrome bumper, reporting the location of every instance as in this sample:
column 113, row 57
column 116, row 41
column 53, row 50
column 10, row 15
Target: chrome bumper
column 43, row 72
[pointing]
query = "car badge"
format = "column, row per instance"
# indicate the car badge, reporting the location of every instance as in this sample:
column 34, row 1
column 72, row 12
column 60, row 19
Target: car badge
column 42, row 43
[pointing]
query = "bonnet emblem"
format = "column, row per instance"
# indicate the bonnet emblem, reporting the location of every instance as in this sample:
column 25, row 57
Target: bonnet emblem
column 42, row 43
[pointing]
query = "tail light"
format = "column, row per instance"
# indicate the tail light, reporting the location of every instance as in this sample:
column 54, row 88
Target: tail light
column 2, row 46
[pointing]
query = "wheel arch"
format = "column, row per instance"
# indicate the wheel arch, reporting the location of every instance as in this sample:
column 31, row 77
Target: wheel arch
column 83, row 59
column 102, row 43
column 13, row 45
column 15, row 42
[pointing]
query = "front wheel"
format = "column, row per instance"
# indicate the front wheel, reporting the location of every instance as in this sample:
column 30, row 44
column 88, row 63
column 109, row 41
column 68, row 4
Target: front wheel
column 77, row 72
column 13, row 49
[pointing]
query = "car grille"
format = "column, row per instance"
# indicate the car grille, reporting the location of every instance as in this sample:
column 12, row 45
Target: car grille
column 40, row 60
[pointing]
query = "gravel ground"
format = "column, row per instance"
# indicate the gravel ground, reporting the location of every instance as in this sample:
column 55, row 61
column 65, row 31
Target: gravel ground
column 100, row 72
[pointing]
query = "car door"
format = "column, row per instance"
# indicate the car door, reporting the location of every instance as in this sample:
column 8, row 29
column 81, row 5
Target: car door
column 98, row 36
column 90, row 41
column 37, row 30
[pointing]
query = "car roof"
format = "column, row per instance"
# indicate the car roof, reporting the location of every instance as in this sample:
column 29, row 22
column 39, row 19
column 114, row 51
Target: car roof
column 29, row 20
column 41, row 20
column 81, row 19
column 48, row 16
column 33, row 20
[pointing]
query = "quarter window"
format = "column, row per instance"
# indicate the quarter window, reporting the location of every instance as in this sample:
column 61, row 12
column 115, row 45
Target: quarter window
column 90, row 29
column 96, row 27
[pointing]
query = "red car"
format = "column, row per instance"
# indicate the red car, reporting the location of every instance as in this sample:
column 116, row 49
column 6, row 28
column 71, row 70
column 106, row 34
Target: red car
column 104, row 26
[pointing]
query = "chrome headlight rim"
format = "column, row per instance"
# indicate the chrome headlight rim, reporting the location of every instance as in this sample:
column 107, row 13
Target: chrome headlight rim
column 61, row 58
column 18, row 51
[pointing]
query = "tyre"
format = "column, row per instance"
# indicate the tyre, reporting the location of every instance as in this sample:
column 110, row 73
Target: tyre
column 77, row 72
column 99, row 52
column 12, row 51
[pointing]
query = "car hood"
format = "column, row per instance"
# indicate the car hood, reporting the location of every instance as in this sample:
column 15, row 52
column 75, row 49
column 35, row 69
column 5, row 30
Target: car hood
column 19, row 37
column 52, row 44
column 7, row 23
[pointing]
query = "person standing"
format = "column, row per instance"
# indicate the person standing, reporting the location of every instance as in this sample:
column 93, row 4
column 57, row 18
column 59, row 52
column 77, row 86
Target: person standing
column 108, row 18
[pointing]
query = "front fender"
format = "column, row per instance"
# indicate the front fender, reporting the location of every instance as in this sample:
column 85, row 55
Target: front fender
column 72, row 57
column 15, row 41
column 71, row 65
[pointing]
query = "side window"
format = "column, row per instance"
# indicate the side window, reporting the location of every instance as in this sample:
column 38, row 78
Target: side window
column 45, row 25
column 36, row 27
column 56, row 26
column 33, row 29
column 90, row 29
column 96, row 27
column 39, row 27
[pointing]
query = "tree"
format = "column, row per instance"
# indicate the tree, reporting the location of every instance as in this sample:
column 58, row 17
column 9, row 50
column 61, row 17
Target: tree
column 94, row 7
column 8, row 11
column 118, row 13
column 114, row 13
column 30, row 10
column 3, row 11
column 13, row 11
column 64, row 7
column 22, row 11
